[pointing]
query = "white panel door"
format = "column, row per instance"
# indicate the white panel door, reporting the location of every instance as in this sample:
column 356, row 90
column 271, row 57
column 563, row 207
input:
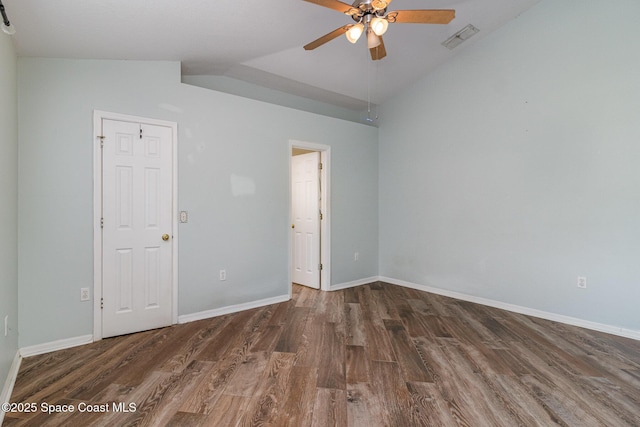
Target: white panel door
column 137, row 227
column 305, row 179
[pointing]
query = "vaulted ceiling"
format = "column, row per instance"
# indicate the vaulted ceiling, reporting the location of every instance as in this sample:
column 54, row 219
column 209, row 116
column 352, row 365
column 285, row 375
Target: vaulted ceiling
column 258, row 42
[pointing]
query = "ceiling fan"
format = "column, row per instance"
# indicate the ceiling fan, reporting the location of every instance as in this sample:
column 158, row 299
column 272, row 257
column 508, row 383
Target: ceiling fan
column 372, row 19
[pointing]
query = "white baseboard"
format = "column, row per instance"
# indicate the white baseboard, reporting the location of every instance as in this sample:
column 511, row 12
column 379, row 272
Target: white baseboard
column 47, row 347
column 354, row 283
column 88, row 339
column 207, row 314
column 601, row 327
column 5, row 393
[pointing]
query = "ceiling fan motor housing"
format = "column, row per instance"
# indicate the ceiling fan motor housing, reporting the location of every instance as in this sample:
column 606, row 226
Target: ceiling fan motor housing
column 367, row 9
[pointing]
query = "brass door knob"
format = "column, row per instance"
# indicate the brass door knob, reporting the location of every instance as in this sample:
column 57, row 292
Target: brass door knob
column 165, row 237
column 293, row 226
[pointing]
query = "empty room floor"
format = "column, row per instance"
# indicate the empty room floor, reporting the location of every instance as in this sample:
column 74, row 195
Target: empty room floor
column 374, row 355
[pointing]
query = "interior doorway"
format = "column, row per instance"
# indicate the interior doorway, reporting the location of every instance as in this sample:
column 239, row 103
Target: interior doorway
column 306, row 214
column 135, row 229
column 309, row 172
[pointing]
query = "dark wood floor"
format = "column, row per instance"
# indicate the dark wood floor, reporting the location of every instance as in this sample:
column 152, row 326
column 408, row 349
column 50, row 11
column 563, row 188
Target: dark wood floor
column 375, row 355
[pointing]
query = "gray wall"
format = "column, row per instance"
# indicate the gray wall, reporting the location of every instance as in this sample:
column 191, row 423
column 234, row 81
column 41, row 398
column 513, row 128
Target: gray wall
column 220, row 136
column 8, row 205
column 513, row 169
column 504, row 174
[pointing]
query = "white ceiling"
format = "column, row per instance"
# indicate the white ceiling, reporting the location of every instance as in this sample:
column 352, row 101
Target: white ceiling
column 254, row 41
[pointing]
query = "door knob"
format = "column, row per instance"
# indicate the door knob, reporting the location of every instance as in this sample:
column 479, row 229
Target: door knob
column 165, row 237
column 293, row 226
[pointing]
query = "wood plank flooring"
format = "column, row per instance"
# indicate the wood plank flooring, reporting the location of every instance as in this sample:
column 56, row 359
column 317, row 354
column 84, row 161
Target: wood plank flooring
column 375, row 355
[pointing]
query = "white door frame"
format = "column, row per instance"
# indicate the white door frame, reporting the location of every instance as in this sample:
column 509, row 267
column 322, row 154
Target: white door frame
column 98, row 116
column 325, row 206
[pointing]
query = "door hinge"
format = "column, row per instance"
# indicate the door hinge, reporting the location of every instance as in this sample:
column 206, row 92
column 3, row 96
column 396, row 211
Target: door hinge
column 101, row 222
column 320, row 267
column 140, row 132
column 101, row 303
column 320, row 166
column 101, row 137
column 321, row 216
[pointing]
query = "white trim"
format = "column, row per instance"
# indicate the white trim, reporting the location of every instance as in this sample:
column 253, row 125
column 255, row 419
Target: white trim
column 97, row 231
column 5, row 393
column 176, row 225
column 601, row 327
column 207, row 314
column 98, row 116
column 325, row 224
column 355, row 283
column 34, row 350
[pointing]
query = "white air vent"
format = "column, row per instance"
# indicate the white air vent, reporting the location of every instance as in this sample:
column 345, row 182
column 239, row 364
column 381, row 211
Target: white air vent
column 460, row 36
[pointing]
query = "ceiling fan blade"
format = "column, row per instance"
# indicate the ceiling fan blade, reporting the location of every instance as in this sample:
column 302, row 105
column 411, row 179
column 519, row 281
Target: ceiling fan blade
column 424, row 16
column 335, row 5
column 328, row 37
column 379, row 51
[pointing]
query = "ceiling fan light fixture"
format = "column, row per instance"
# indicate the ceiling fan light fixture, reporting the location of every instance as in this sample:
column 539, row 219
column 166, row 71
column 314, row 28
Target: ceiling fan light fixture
column 371, row 17
column 354, row 33
column 372, row 39
column 379, row 25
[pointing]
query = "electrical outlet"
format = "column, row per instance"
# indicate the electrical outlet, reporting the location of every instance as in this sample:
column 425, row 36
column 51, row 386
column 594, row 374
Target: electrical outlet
column 223, row 274
column 582, row 282
column 356, row 256
column 184, row 217
column 84, row 294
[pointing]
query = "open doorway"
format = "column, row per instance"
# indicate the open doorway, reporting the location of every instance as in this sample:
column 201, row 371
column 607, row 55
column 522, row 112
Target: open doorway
column 309, row 172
